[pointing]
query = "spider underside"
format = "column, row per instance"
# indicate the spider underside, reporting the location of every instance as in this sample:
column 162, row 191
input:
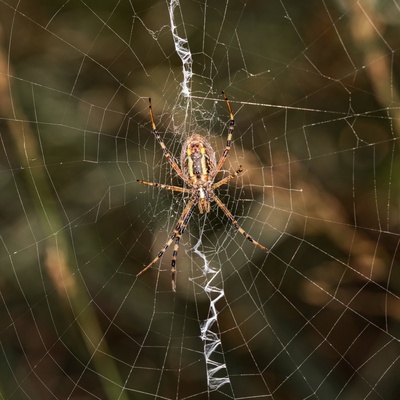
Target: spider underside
column 198, row 171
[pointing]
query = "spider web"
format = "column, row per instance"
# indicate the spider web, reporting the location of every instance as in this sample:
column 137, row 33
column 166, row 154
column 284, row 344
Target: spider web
column 314, row 90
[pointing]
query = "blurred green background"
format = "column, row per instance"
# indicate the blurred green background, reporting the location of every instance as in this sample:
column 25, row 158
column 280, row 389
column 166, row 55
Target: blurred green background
column 314, row 89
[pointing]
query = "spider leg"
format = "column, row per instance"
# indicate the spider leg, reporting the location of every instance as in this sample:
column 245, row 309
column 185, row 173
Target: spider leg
column 229, row 139
column 168, row 187
column 228, row 178
column 159, row 139
column 176, row 245
column 176, row 235
column 222, row 206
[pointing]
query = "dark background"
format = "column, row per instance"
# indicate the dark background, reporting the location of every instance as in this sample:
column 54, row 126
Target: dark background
column 314, row 89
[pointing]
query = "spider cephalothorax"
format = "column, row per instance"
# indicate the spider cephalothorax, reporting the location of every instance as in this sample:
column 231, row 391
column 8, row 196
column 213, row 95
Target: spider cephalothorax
column 198, row 171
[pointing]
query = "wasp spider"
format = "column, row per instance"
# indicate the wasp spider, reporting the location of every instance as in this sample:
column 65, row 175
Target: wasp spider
column 198, row 171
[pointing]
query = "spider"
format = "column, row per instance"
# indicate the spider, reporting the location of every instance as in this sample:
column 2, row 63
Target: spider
column 198, row 171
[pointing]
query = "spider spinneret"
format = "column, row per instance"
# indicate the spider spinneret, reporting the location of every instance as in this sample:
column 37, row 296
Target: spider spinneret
column 198, row 170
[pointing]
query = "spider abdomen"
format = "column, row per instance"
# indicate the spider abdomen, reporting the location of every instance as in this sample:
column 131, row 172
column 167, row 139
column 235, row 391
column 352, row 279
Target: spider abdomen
column 198, row 164
column 197, row 158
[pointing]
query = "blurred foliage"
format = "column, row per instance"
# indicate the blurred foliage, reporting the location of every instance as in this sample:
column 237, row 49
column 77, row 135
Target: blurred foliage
column 314, row 88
